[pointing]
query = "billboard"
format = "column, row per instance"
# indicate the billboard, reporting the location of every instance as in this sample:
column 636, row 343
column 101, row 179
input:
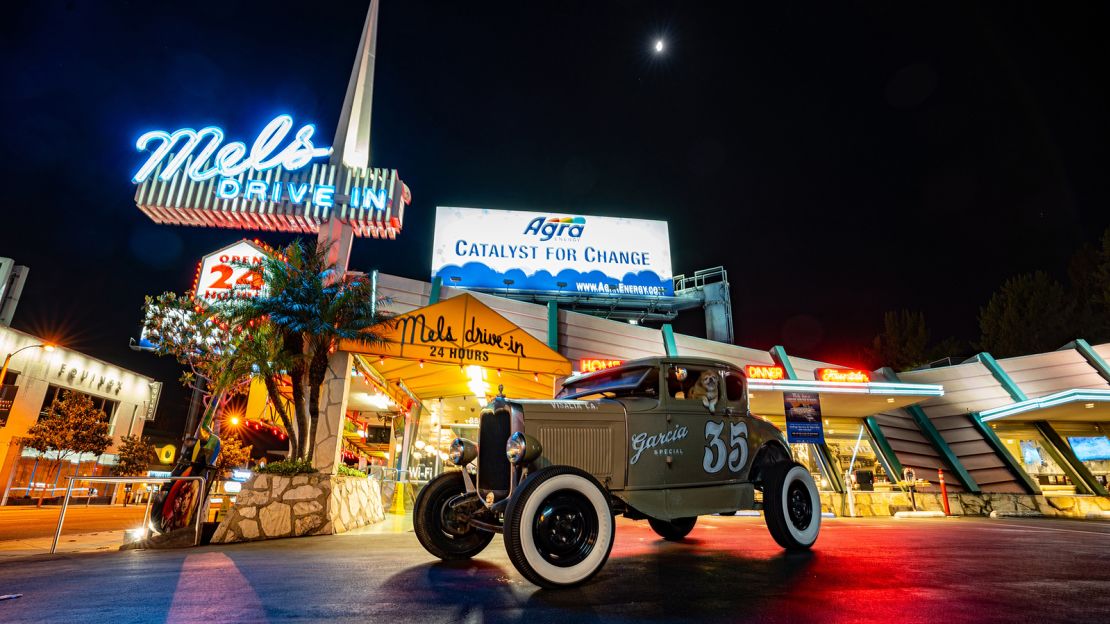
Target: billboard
column 543, row 251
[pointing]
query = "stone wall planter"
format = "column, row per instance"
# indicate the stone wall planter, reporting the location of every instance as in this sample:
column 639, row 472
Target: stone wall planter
column 885, row 504
column 273, row 506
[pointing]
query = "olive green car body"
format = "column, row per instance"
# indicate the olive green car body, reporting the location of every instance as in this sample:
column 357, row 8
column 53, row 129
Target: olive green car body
column 657, row 456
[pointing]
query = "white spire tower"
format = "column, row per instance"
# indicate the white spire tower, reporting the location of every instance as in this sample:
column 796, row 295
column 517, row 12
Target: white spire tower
column 352, row 137
column 351, row 148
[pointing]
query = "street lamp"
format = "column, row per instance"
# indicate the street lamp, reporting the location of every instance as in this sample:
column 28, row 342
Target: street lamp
column 46, row 346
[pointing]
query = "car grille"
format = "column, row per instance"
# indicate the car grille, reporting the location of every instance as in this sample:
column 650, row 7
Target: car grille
column 493, row 466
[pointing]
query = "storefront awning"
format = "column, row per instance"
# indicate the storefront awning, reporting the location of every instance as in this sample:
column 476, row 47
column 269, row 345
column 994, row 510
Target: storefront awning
column 461, row 347
column 1081, row 404
column 840, row 399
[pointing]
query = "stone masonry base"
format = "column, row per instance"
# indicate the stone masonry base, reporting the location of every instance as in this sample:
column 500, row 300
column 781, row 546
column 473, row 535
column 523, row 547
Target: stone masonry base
column 888, row 503
column 272, row 506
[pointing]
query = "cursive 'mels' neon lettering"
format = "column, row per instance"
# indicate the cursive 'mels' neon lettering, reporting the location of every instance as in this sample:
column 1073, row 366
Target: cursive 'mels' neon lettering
column 202, row 157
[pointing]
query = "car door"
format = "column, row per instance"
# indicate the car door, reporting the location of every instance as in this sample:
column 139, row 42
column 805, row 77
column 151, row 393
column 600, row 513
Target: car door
column 712, row 449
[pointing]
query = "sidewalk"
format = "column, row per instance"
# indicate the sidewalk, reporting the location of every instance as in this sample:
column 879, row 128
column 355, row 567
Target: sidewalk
column 27, row 531
column 39, row 547
column 393, row 523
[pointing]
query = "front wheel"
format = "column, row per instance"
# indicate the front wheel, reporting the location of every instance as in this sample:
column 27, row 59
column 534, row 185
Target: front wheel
column 438, row 524
column 559, row 528
column 791, row 506
column 673, row 530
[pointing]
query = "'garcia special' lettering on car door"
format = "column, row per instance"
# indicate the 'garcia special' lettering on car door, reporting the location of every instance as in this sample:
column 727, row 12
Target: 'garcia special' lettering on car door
column 642, row 442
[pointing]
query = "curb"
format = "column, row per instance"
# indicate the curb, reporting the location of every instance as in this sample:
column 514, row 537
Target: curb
column 919, row 514
column 1016, row 514
column 1098, row 515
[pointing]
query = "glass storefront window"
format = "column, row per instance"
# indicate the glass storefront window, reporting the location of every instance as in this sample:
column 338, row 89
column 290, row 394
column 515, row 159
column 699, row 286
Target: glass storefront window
column 1026, row 445
column 868, row 473
column 1090, row 444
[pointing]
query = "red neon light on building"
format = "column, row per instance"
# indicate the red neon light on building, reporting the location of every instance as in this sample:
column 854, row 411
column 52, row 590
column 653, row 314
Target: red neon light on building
column 764, row 372
column 589, row 365
column 846, row 375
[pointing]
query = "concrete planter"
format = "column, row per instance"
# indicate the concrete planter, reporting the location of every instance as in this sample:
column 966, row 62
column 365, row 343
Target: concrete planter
column 273, row 506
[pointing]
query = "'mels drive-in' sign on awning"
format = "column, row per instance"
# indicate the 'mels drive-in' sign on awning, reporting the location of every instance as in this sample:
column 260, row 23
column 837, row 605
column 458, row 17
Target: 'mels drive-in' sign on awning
column 556, row 252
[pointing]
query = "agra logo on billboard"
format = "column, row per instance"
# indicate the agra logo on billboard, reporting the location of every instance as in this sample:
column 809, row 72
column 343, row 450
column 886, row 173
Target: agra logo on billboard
column 569, row 227
column 568, row 254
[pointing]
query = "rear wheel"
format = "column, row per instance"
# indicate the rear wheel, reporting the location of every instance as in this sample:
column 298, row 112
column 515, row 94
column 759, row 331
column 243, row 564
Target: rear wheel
column 559, row 528
column 673, row 530
column 791, row 506
column 439, row 525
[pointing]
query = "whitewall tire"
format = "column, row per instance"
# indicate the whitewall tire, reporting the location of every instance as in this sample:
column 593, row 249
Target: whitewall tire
column 559, row 527
column 791, row 506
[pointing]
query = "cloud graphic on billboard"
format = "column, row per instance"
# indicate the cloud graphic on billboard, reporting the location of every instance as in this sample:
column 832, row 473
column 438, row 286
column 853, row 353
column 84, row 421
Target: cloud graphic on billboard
column 477, row 275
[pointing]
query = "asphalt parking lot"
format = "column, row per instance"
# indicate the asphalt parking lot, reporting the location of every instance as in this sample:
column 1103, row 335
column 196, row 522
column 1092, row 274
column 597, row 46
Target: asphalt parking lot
column 728, row 570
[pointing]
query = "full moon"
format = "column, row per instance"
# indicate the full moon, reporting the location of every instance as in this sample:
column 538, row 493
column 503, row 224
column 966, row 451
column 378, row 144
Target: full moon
column 658, row 46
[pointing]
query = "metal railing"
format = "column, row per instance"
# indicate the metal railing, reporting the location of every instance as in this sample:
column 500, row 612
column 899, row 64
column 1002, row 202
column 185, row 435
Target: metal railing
column 146, row 513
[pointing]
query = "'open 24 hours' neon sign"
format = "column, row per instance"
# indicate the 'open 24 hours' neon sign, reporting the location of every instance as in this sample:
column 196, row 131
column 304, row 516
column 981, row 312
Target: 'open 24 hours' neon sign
column 200, row 155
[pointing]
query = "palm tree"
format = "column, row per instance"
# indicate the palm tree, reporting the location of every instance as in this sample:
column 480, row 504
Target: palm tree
column 312, row 307
column 260, row 352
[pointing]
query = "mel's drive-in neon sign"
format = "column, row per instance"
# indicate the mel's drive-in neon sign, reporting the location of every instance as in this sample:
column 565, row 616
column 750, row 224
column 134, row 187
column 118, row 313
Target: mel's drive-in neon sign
column 202, row 155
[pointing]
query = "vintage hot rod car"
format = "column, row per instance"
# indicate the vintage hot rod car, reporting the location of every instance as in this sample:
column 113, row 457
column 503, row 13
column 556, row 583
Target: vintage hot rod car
column 661, row 439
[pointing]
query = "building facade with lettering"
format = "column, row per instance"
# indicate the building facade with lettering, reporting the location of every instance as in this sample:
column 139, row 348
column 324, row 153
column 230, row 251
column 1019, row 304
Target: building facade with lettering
column 35, row 377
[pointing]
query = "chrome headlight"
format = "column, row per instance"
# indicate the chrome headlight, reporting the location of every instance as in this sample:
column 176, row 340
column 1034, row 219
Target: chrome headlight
column 462, row 451
column 522, row 448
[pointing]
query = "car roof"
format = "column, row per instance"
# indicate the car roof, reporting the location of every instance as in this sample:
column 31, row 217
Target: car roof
column 658, row 361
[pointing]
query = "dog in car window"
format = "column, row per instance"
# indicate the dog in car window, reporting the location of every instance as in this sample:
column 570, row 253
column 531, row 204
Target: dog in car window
column 707, row 389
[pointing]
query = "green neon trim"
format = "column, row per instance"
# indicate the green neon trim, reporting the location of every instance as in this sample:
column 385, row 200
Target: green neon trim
column 1075, row 395
column 888, row 455
column 946, row 454
column 669, row 344
column 778, row 354
column 1093, row 358
column 553, row 325
column 877, row 388
column 1012, row 465
column 437, row 285
column 1016, row 393
column 1066, row 459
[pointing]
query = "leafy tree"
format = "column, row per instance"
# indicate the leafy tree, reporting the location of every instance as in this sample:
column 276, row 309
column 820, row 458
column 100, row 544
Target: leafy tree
column 72, row 425
column 949, row 347
column 232, row 454
column 1030, row 313
column 179, row 327
column 134, row 456
column 903, row 342
column 224, row 356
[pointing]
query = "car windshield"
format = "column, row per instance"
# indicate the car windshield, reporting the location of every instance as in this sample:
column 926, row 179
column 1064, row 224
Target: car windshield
column 640, row 381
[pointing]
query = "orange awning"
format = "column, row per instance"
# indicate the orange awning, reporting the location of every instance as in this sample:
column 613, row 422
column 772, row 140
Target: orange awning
column 459, row 346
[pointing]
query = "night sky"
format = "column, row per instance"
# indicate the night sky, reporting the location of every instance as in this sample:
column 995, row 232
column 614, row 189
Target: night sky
column 837, row 159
